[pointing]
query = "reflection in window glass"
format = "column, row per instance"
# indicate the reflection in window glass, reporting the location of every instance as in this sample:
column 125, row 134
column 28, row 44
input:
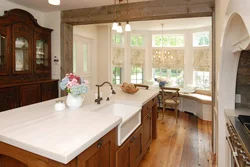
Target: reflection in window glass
column 118, row 39
column 201, row 79
column 201, row 39
column 85, row 58
column 117, row 75
column 137, row 75
column 136, row 40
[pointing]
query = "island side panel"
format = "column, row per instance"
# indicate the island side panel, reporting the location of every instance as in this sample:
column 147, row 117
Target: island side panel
column 154, row 117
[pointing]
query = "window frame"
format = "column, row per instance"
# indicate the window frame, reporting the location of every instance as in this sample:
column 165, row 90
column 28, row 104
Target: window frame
column 200, row 32
column 137, row 34
column 122, row 39
column 114, row 76
column 136, row 74
column 168, row 36
column 195, row 80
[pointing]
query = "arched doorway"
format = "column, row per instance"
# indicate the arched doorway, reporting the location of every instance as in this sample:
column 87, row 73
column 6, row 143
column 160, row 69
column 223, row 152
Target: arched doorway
column 235, row 40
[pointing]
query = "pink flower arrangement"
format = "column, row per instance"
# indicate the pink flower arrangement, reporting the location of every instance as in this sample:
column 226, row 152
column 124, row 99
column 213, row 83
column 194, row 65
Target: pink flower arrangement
column 74, row 84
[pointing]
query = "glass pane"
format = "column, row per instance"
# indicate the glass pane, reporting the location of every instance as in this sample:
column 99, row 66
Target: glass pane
column 136, row 40
column 42, row 55
column 22, row 55
column 172, row 40
column 74, row 57
column 2, row 49
column 201, row 39
column 117, row 39
column 180, row 41
column 85, row 58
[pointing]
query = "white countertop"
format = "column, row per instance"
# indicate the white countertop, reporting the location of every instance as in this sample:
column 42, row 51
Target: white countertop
column 237, row 112
column 63, row 135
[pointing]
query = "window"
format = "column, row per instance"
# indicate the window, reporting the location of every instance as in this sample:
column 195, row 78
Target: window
column 201, row 39
column 158, row 72
column 168, row 40
column 117, row 75
column 137, row 75
column 175, row 77
column 118, row 39
column 136, row 40
column 201, row 80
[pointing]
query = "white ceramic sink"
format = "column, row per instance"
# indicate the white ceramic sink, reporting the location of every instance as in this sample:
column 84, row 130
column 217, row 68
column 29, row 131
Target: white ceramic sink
column 131, row 118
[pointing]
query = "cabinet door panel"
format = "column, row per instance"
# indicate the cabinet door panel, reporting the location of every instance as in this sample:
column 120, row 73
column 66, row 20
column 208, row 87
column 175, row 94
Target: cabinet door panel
column 4, row 51
column 100, row 154
column 23, row 46
column 147, row 131
column 8, row 98
column 123, row 155
column 30, row 94
column 137, row 148
column 49, row 90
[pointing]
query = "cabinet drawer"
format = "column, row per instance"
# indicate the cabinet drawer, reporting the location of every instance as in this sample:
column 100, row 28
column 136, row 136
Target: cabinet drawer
column 154, row 101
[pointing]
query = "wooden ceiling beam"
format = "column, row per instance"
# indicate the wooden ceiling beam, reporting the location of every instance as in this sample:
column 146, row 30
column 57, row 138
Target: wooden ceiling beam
column 149, row 10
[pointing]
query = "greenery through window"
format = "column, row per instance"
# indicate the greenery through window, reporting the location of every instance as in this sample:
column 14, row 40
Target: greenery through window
column 168, row 41
column 175, row 77
column 201, row 39
column 137, row 75
column 117, row 75
column 118, row 39
column 136, row 40
column 201, row 79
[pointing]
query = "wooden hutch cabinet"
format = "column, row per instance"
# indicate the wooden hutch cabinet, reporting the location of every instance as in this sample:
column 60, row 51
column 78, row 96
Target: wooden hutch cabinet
column 25, row 61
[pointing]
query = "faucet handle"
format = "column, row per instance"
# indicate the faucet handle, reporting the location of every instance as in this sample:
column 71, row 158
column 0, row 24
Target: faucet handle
column 113, row 92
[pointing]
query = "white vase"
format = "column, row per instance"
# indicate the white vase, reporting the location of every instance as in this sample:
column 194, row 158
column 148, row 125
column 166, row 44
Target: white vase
column 74, row 102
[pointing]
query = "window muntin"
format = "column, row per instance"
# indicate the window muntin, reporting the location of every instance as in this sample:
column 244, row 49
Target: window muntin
column 201, row 80
column 201, row 39
column 118, row 39
column 168, row 40
column 117, row 75
column 137, row 75
column 136, row 40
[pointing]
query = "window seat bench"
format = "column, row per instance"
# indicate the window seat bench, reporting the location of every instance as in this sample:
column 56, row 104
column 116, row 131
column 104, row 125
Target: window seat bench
column 198, row 104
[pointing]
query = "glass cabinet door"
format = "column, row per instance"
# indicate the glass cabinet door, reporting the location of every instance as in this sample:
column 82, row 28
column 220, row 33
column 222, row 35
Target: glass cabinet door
column 22, row 54
column 42, row 55
column 3, row 54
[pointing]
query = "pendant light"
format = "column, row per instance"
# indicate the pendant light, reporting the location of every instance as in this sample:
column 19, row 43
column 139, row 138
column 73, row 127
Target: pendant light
column 115, row 24
column 54, row 2
column 127, row 27
column 119, row 28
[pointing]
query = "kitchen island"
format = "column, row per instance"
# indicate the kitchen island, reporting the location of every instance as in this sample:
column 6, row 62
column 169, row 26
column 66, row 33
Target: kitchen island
column 36, row 135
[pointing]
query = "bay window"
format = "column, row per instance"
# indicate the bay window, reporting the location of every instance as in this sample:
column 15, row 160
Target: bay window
column 201, row 80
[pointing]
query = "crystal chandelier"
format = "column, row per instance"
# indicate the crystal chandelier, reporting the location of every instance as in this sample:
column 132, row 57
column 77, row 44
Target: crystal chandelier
column 54, row 2
column 118, row 26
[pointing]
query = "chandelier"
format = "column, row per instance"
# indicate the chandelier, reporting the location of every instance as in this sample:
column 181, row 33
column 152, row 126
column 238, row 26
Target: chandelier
column 117, row 26
column 162, row 55
column 54, row 2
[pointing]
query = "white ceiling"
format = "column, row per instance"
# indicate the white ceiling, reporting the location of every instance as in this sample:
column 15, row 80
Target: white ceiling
column 44, row 6
column 172, row 24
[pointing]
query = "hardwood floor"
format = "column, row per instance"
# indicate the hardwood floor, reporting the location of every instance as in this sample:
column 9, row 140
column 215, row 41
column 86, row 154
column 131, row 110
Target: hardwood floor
column 185, row 144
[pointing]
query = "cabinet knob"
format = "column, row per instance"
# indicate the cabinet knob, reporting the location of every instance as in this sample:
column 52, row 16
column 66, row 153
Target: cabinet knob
column 149, row 116
column 99, row 144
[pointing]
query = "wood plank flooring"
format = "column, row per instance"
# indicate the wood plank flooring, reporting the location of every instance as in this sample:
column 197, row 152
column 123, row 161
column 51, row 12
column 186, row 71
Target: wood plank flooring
column 185, row 144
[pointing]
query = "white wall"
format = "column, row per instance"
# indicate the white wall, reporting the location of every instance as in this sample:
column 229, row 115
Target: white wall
column 103, row 54
column 53, row 20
